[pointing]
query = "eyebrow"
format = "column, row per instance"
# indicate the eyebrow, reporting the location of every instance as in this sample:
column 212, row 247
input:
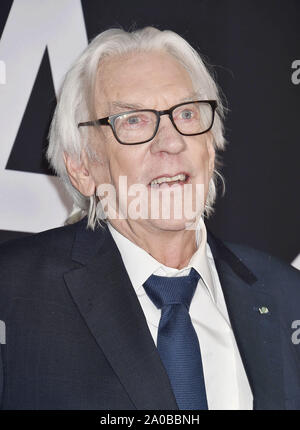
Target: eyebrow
column 120, row 106
column 196, row 95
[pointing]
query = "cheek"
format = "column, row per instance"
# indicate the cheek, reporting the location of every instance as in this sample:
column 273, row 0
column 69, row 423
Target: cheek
column 126, row 161
column 99, row 166
column 111, row 160
column 203, row 156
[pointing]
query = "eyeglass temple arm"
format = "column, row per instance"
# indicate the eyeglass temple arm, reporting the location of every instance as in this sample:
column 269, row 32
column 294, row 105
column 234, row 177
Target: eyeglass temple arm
column 101, row 121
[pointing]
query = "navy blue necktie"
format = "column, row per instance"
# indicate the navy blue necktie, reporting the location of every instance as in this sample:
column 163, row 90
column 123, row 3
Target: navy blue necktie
column 177, row 342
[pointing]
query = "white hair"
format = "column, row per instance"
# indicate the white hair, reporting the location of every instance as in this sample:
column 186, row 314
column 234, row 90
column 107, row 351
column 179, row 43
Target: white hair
column 76, row 103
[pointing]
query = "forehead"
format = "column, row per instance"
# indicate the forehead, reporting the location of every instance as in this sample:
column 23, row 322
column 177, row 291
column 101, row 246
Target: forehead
column 145, row 79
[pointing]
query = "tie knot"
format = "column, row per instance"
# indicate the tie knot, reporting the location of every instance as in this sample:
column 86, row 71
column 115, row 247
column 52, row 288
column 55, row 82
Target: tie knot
column 163, row 290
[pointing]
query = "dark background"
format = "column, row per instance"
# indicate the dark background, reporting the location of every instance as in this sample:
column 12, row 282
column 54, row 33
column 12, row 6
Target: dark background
column 251, row 46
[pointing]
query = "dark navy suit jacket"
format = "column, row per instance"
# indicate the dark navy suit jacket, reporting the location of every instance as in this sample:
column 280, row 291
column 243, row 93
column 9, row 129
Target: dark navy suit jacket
column 77, row 338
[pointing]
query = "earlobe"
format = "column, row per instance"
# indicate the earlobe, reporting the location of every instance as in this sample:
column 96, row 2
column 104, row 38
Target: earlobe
column 79, row 174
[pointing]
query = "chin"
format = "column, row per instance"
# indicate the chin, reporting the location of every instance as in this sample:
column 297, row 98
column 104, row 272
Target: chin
column 170, row 224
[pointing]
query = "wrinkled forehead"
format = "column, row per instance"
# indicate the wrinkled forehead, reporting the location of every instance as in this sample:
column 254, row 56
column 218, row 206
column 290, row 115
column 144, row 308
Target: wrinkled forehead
column 140, row 79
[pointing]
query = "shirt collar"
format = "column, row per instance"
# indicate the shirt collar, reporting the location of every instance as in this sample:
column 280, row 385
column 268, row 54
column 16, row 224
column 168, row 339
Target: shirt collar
column 140, row 265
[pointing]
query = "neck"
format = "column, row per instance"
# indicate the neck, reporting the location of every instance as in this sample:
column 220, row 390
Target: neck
column 173, row 248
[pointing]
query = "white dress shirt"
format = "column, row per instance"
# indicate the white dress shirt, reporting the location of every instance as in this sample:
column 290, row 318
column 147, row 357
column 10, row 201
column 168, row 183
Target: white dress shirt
column 226, row 382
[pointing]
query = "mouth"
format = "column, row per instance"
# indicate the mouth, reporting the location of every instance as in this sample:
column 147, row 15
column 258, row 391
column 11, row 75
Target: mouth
column 167, row 180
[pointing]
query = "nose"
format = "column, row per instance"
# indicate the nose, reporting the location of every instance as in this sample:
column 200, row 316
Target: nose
column 167, row 138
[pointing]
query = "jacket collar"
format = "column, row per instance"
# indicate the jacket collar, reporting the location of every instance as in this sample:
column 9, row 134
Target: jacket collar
column 104, row 295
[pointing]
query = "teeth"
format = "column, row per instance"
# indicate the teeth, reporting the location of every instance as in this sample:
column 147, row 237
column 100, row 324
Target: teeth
column 180, row 177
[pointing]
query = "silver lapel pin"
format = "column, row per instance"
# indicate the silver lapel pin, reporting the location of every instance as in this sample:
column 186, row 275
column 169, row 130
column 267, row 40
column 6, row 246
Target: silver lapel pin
column 263, row 310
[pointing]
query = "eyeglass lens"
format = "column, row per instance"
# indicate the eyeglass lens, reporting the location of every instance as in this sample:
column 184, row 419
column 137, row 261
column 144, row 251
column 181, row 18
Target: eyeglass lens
column 139, row 126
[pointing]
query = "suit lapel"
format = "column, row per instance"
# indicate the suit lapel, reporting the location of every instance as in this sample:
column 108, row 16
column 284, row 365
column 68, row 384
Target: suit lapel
column 257, row 334
column 110, row 307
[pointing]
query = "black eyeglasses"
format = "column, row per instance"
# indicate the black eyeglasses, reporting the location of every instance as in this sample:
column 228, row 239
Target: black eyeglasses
column 140, row 126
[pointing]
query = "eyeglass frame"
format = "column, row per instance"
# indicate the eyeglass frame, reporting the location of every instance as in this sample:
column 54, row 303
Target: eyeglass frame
column 110, row 120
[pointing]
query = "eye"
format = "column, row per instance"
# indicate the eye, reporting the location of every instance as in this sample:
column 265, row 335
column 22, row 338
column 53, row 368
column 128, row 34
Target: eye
column 133, row 120
column 186, row 114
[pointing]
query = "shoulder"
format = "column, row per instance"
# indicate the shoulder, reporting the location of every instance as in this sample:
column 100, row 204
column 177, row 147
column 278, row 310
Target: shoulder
column 50, row 242
column 255, row 264
column 271, row 271
column 33, row 264
column 260, row 260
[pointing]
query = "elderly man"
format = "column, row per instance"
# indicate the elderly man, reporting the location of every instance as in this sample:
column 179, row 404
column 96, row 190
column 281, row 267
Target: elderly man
column 127, row 307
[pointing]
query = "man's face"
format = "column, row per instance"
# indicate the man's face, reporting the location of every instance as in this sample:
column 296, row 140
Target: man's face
column 152, row 80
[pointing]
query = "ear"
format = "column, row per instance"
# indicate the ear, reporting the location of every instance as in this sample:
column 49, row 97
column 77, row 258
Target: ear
column 79, row 174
